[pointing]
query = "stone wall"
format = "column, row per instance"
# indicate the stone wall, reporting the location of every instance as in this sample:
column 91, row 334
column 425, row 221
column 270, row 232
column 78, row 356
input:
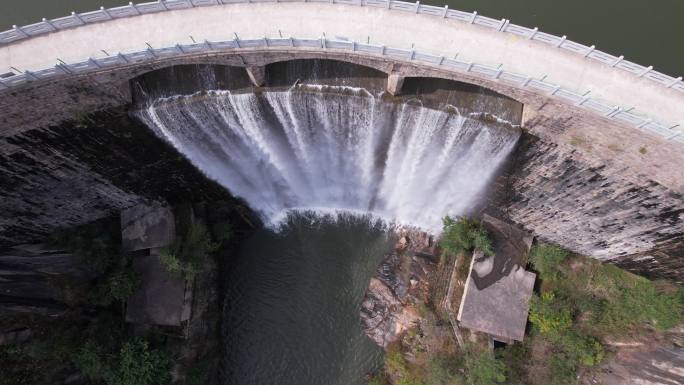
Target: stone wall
column 588, row 183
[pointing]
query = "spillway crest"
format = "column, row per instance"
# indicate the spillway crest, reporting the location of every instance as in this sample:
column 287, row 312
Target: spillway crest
column 336, row 148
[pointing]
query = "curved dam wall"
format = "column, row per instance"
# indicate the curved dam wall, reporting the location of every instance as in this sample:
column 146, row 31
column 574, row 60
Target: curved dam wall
column 582, row 178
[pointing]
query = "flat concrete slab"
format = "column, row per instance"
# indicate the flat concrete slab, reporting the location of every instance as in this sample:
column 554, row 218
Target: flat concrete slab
column 146, row 226
column 162, row 298
column 498, row 290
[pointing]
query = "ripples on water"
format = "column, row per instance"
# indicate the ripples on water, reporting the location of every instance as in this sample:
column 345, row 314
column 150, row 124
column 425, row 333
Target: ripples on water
column 292, row 307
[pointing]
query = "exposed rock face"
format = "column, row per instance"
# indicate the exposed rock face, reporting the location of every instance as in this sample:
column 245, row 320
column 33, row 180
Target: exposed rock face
column 388, row 309
column 649, row 362
column 592, row 209
column 85, row 170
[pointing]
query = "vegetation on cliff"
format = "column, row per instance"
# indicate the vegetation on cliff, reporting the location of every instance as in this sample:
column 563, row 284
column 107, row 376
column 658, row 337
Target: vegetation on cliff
column 580, row 309
column 89, row 340
column 463, row 235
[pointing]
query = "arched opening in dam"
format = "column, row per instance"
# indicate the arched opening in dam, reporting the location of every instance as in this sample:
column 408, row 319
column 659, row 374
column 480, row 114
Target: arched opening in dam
column 332, row 164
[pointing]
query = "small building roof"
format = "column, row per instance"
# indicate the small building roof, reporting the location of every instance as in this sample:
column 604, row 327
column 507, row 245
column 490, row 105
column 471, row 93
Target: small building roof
column 162, row 298
column 501, row 308
column 498, row 289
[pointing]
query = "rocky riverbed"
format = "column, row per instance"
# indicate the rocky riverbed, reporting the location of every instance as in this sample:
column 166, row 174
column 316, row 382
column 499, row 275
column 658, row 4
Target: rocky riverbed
column 399, row 287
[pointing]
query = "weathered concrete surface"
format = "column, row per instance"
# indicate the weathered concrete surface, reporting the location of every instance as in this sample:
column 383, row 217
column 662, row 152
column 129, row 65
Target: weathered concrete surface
column 257, row 74
column 146, row 226
column 394, row 83
column 391, row 28
column 161, row 298
column 586, row 184
column 60, row 176
column 498, row 289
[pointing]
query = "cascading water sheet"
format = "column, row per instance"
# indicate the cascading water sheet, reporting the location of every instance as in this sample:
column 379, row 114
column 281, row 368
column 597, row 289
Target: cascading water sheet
column 336, row 148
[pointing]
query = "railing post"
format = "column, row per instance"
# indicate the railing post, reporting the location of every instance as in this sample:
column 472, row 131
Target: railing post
column 382, row 52
column 617, row 61
column 163, row 5
column 208, row 44
column 417, row 6
column 562, row 40
column 441, row 60
column 103, row 10
column 472, row 18
column 446, row 10
column 77, row 17
column 265, row 41
column 132, row 5
column 30, row 74
column 615, row 110
column 48, row 22
column 150, row 50
column 673, row 82
column 353, row 46
column 20, row 31
column 501, row 24
column 91, row 60
column 534, row 32
column 590, row 50
column 64, row 66
column 498, row 73
column 389, row 4
column 644, row 123
column 470, row 66
column 555, row 90
column 178, row 46
column 527, row 81
column 645, row 71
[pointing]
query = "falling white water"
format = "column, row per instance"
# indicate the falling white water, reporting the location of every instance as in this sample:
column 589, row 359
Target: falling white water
column 341, row 150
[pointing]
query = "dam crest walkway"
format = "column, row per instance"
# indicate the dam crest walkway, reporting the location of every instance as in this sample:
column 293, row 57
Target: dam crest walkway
column 422, row 35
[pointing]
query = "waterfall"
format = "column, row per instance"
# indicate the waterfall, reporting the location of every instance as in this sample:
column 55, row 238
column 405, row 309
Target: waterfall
column 336, row 148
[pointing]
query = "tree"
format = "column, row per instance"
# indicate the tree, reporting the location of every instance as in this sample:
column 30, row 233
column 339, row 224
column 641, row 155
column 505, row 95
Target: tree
column 484, row 369
column 464, row 235
column 546, row 258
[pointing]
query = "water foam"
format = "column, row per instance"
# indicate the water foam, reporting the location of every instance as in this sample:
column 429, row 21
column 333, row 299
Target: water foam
column 342, row 151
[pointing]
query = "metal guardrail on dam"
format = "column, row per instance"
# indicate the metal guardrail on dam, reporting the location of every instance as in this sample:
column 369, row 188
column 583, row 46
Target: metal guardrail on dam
column 626, row 115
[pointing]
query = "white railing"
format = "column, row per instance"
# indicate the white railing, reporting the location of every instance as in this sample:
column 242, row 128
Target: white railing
column 92, row 64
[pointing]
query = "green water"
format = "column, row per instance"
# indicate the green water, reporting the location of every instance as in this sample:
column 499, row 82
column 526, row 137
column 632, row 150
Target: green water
column 645, row 32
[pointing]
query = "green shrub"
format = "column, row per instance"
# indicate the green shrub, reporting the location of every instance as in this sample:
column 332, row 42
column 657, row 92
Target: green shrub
column 137, row 364
column 395, row 363
column 463, row 235
column 443, row 371
column 546, row 258
column 92, row 361
column 186, row 255
column 548, row 315
column 639, row 304
column 563, row 370
column 581, row 348
column 116, row 287
column 484, row 369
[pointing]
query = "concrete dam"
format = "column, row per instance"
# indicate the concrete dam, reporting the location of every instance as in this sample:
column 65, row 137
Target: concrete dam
column 184, row 99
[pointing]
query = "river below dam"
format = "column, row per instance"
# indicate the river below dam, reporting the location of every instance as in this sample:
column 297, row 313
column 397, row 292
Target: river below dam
column 292, row 306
